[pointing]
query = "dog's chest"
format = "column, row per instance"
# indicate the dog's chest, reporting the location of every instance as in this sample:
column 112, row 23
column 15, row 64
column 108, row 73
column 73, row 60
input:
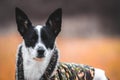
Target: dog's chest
column 32, row 71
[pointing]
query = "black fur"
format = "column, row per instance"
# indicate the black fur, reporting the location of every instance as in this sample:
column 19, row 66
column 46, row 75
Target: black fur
column 54, row 21
column 31, row 38
column 22, row 21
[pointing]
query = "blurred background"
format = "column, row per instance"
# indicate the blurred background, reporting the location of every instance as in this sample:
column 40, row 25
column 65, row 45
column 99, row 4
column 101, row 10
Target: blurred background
column 90, row 32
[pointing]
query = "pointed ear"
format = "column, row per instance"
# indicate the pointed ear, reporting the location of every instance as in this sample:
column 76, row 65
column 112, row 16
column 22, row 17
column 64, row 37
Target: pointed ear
column 23, row 23
column 54, row 21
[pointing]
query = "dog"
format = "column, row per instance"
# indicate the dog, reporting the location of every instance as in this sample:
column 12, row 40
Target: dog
column 37, row 56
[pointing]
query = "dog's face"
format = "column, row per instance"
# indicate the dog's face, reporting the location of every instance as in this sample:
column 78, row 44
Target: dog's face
column 39, row 40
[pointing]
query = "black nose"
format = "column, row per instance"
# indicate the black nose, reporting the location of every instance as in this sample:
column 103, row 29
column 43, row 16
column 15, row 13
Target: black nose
column 40, row 53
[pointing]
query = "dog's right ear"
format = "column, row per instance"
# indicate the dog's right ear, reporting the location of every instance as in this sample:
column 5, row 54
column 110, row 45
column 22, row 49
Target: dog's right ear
column 23, row 23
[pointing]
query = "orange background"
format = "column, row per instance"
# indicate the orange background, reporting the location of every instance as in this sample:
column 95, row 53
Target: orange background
column 93, row 24
column 98, row 52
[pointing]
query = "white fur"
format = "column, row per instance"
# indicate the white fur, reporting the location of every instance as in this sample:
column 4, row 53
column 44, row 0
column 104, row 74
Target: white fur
column 99, row 75
column 33, row 70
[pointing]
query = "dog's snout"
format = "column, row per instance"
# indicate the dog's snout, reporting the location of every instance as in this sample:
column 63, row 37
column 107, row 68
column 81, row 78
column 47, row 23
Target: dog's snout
column 40, row 52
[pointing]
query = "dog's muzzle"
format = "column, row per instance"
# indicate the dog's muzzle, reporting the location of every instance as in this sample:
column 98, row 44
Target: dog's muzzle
column 40, row 54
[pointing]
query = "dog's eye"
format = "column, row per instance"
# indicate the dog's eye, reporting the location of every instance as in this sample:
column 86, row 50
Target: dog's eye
column 44, row 37
column 28, row 41
column 32, row 40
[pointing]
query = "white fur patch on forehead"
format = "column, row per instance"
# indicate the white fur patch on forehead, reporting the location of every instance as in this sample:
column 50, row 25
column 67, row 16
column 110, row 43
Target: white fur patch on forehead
column 38, row 27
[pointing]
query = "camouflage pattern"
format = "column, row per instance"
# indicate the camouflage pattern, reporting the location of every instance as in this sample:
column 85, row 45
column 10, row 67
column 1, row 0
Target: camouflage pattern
column 68, row 71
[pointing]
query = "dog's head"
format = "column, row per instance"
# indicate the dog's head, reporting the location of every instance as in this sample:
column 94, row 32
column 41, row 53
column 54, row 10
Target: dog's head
column 39, row 40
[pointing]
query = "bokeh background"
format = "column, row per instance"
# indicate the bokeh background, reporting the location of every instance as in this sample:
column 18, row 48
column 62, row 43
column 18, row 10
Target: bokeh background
column 90, row 32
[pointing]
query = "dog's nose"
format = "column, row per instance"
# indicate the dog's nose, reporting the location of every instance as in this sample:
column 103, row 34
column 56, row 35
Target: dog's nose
column 40, row 53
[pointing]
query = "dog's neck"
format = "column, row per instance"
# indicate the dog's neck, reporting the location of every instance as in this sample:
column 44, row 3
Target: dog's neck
column 51, row 66
column 48, row 71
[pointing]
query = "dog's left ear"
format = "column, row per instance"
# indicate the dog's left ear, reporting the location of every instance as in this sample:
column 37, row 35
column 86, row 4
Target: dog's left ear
column 54, row 21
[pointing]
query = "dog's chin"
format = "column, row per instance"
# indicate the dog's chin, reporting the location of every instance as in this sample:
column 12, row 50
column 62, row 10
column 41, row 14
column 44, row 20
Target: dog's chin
column 38, row 59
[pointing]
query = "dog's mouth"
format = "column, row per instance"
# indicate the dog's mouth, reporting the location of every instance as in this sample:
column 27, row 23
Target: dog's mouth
column 38, row 59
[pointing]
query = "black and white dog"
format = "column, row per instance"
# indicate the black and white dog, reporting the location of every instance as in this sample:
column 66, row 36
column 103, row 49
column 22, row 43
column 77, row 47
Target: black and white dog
column 37, row 56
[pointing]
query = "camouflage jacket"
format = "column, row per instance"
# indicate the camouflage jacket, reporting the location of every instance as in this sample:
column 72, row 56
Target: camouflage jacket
column 68, row 71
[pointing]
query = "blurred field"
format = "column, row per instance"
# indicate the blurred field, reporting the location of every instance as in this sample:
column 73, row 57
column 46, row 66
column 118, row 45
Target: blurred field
column 99, row 52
